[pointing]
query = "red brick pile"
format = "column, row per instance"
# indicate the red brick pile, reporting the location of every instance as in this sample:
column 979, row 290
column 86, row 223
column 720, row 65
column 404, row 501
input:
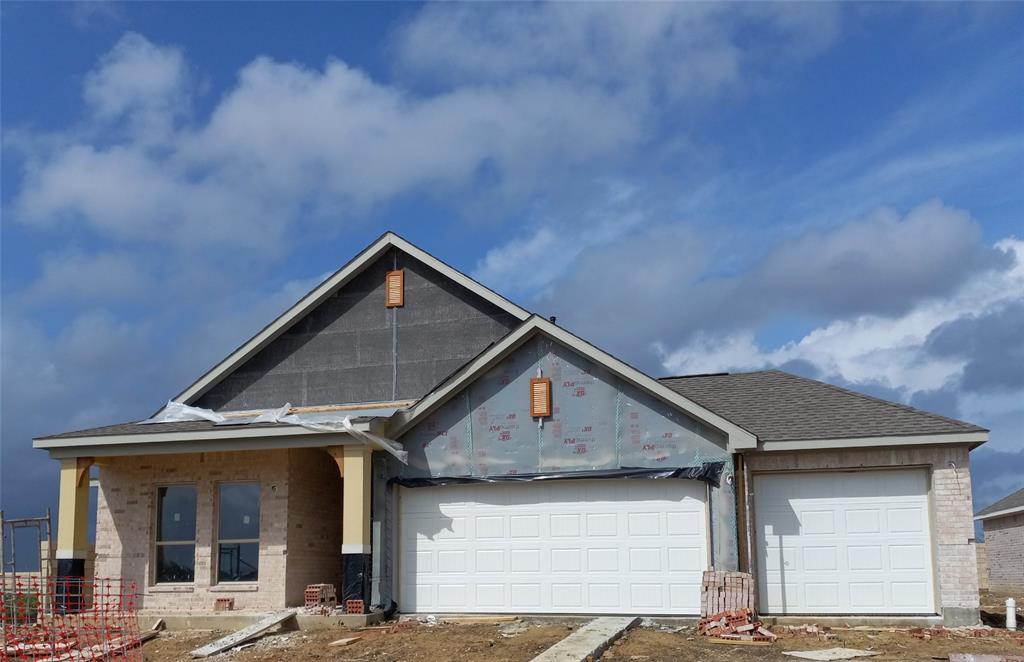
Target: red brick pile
column 736, row 625
column 726, row 591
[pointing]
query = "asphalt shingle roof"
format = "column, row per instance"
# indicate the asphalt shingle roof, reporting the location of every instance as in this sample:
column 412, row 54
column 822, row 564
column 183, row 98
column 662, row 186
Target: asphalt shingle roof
column 1015, row 500
column 155, row 428
column 779, row 406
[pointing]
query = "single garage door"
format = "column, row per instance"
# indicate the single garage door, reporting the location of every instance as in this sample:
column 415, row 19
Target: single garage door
column 844, row 543
column 571, row 546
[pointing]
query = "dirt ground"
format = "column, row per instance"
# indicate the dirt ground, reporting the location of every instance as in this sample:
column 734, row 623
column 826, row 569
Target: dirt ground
column 438, row 643
column 652, row 645
column 472, row 643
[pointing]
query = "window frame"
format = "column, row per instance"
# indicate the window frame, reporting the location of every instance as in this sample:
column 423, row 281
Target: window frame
column 157, row 543
column 217, row 540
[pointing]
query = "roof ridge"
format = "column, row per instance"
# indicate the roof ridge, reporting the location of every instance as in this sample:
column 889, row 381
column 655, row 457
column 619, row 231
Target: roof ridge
column 865, row 396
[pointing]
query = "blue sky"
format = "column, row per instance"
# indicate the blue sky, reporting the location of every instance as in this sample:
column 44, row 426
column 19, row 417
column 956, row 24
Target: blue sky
column 831, row 188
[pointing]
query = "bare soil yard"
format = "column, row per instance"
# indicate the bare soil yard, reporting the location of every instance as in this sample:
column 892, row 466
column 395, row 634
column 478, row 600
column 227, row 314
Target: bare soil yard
column 472, row 643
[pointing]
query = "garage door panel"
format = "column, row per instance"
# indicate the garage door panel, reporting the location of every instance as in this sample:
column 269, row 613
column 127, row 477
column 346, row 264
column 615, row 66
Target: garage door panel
column 844, row 542
column 638, row 547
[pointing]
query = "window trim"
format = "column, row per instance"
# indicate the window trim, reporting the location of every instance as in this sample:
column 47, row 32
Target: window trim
column 157, row 543
column 215, row 579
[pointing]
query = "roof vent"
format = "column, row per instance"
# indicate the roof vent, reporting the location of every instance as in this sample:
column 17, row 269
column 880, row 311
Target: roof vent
column 394, row 289
column 540, row 397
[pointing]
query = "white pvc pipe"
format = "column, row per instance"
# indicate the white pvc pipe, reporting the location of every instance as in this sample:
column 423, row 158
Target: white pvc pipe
column 1011, row 614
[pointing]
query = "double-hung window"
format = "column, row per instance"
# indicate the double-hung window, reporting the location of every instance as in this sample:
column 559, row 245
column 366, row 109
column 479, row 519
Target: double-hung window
column 238, row 532
column 176, row 534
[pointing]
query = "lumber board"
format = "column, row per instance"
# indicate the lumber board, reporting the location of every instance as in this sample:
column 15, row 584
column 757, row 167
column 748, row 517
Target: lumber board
column 478, row 620
column 347, row 641
column 243, row 635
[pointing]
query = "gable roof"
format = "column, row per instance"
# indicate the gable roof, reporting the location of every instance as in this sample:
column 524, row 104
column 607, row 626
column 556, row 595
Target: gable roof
column 402, row 421
column 780, row 407
column 327, row 288
column 1008, row 505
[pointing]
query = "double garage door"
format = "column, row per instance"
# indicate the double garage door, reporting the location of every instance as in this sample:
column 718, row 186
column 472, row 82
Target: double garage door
column 573, row 546
column 854, row 542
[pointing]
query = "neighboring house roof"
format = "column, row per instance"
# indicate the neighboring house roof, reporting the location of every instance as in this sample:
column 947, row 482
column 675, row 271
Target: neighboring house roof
column 402, row 421
column 327, row 288
column 1009, row 505
column 782, row 408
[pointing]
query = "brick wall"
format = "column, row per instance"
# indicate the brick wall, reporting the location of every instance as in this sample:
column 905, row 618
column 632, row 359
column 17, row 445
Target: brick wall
column 1004, row 540
column 314, row 522
column 126, row 520
column 952, row 511
column 982, row 553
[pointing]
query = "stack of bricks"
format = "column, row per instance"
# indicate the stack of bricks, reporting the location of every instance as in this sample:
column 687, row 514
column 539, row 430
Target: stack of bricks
column 726, row 591
column 321, row 595
column 734, row 625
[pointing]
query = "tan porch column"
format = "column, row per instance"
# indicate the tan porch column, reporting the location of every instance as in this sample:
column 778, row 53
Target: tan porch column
column 354, row 461
column 72, row 531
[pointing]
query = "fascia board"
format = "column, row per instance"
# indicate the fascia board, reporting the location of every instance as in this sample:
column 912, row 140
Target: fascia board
column 1000, row 513
column 325, row 289
column 205, row 446
column 974, row 438
column 233, row 434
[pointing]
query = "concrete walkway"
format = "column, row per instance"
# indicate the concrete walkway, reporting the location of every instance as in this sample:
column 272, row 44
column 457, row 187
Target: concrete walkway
column 591, row 639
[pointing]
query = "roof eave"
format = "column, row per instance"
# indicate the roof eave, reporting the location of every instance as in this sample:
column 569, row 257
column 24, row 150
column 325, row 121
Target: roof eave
column 973, row 439
column 229, row 438
column 1000, row 513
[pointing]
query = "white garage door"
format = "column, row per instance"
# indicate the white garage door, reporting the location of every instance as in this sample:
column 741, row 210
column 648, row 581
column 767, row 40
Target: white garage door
column 844, row 543
column 573, row 546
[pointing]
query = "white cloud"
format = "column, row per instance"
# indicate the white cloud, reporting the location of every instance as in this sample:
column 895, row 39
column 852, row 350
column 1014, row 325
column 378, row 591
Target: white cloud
column 674, row 282
column 881, row 350
column 73, row 276
column 674, row 51
column 142, row 83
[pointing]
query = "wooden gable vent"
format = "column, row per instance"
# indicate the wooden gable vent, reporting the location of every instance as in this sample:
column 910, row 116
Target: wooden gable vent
column 394, row 289
column 540, row 397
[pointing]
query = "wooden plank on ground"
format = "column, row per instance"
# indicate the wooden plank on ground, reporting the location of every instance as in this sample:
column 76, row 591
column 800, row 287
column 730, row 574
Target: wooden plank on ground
column 347, row 641
column 479, row 620
column 243, row 635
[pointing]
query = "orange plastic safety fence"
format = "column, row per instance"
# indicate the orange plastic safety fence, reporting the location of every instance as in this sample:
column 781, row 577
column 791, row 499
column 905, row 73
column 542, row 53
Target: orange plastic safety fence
column 68, row 619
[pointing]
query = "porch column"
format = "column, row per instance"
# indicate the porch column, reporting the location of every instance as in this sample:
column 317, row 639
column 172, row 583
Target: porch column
column 355, row 523
column 72, row 531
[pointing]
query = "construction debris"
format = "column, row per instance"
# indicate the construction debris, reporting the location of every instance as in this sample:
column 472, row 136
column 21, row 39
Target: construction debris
column 968, row 657
column 822, row 632
column 726, row 591
column 347, row 641
column 321, row 596
column 831, row 654
column 735, row 626
column 243, row 635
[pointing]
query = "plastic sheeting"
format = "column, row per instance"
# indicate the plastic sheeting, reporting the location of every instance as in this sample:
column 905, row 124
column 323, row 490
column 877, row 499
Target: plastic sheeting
column 709, row 472
column 337, row 421
column 599, row 423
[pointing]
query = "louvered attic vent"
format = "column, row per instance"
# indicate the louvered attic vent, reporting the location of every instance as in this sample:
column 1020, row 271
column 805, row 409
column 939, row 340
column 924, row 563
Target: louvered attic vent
column 394, row 289
column 540, row 397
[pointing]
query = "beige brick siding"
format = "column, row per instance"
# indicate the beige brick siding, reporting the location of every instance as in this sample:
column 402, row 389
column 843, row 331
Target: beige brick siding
column 314, row 522
column 982, row 553
column 1004, row 541
column 952, row 510
column 125, row 523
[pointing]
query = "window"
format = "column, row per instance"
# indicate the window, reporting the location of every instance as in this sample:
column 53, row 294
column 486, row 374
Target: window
column 238, row 532
column 176, row 533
